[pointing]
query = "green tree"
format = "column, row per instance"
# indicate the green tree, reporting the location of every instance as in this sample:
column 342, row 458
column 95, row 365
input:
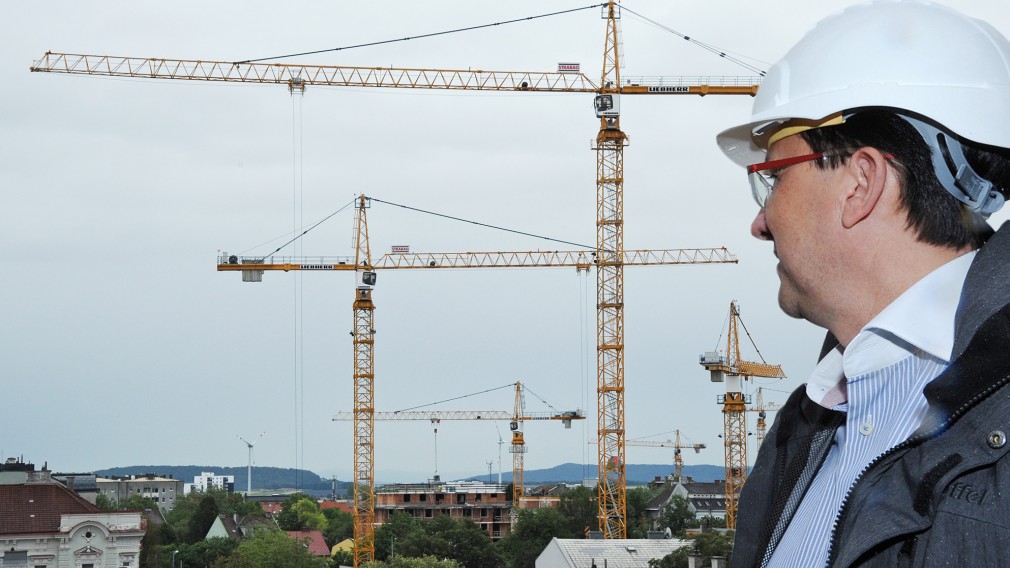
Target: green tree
column 677, row 516
column 301, row 512
column 339, row 526
column 457, row 539
column 710, row 522
column 202, row 553
column 137, row 503
column 578, row 505
column 637, row 499
column 270, row 549
column 706, row 545
column 103, row 502
column 676, row 559
column 532, row 532
column 714, row 543
column 342, row 558
column 410, row 562
column 395, row 532
column 201, row 520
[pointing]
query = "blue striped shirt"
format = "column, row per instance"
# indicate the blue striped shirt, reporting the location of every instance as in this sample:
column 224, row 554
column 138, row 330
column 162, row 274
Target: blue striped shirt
column 888, row 364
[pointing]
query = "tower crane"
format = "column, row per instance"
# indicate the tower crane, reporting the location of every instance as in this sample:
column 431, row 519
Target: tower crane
column 515, row 419
column 609, row 147
column 252, row 269
column 675, row 444
column 731, row 369
column 762, row 408
column 678, row 462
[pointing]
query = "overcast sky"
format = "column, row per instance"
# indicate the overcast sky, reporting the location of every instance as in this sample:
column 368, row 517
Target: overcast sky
column 120, row 344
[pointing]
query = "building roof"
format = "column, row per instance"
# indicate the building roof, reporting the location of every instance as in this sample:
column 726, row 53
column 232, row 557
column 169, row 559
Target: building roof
column 614, row 553
column 343, row 506
column 703, row 488
column 659, row 501
column 315, row 540
column 36, row 507
column 705, row 504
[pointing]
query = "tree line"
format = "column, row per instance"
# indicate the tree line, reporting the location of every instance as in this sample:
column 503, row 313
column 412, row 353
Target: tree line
column 402, row 542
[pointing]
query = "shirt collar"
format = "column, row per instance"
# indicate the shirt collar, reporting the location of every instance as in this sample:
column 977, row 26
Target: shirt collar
column 919, row 320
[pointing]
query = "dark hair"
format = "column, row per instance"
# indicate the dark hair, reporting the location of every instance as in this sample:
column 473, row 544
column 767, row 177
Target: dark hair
column 936, row 216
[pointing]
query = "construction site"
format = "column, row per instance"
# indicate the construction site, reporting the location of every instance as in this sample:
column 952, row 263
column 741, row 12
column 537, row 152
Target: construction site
column 507, row 227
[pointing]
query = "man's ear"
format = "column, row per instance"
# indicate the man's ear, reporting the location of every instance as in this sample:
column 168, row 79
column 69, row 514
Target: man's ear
column 866, row 177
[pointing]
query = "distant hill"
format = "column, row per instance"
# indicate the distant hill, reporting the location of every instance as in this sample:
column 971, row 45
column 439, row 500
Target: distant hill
column 264, row 478
column 280, row 478
column 637, row 474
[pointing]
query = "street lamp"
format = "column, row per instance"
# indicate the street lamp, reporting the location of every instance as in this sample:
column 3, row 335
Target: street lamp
column 392, row 541
column 174, row 552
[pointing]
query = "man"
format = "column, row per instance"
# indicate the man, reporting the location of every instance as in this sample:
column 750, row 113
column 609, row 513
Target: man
column 877, row 149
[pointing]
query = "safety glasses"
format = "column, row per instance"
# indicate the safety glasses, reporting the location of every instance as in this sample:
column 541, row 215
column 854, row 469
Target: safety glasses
column 764, row 175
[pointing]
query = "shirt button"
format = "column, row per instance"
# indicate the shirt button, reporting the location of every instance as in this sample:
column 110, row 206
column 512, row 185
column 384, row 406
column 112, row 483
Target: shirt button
column 866, row 428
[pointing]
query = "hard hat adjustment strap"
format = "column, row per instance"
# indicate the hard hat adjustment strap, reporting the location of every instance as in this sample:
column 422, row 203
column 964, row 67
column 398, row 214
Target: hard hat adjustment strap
column 958, row 177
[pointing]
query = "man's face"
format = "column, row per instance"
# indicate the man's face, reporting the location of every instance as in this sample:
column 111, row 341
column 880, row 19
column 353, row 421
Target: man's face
column 796, row 218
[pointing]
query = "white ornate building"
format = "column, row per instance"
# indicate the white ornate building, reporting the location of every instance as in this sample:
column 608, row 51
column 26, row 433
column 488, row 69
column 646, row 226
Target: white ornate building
column 44, row 524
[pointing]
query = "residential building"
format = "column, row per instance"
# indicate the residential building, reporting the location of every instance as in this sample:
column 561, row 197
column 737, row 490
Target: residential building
column 705, row 499
column 43, row 524
column 161, row 489
column 84, row 484
column 207, row 479
column 233, row 526
column 484, row 504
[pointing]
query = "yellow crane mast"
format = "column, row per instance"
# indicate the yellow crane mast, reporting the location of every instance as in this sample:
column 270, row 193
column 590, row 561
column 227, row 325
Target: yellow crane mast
column 731, row 369
column 610, row 142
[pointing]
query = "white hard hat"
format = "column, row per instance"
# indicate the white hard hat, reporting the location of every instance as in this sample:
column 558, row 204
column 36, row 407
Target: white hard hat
column 912, row 55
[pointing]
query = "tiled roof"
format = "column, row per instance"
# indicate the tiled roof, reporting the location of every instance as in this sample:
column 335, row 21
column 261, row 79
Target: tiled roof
column 337, row 505
column 315, row 540
column 36, row 507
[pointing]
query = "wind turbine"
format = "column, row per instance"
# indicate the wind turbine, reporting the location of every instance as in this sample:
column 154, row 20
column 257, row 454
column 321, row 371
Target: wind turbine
column 249, row 470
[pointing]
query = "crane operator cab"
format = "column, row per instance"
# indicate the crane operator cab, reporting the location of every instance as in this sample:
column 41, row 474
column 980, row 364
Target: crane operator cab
column 608, row 106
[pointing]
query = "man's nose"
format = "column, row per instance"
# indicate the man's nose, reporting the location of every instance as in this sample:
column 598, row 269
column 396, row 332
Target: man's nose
column 759, row 227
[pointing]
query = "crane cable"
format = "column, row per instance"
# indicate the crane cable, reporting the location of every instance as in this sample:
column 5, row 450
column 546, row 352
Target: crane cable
column 742, row 324
column 705, row 46
column 303, row 233
column 433, row 34
column 510, row 385
column 480, row 224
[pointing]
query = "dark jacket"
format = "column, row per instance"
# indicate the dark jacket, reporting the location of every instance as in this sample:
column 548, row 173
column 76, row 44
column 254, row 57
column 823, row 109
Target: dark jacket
column 942, row 497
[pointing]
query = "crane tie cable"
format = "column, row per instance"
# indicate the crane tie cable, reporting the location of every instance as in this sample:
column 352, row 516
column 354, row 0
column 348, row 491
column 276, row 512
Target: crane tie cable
column 510, row 385
column 481, row 224
column 702, row 45
column 433, row 34
column 303, row 233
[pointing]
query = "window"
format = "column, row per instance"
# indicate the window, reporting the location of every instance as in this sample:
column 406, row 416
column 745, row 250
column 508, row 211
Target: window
column 422, row 497
column 406, row 498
